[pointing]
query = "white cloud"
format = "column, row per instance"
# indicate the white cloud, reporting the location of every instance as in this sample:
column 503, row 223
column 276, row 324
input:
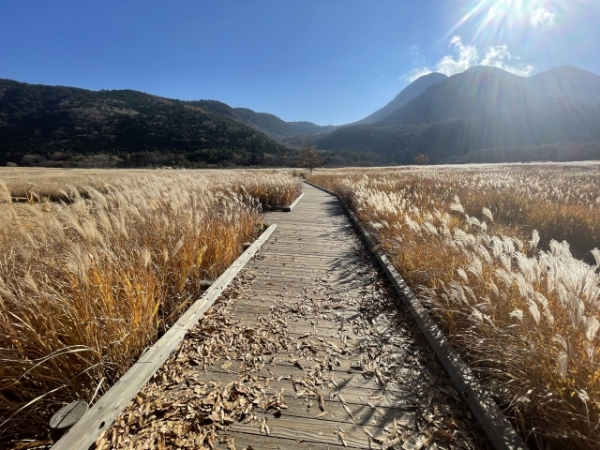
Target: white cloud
column 466, row 56
column 542, row 16
column 497, row 57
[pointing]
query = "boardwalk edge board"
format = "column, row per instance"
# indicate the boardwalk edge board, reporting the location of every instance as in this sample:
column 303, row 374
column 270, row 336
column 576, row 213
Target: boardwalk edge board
column 100, row 416
column 492, row 420
column 286, row 208
column 295, row 202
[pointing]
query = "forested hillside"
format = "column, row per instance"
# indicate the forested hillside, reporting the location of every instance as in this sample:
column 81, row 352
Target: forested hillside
column 269, row 124
column 64, row 126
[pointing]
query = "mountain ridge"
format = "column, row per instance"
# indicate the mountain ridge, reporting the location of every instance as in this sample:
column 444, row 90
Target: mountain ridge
column 64, row 126
column 410, row 92
column 477, row 109
column 445, row 117
column 267, row 123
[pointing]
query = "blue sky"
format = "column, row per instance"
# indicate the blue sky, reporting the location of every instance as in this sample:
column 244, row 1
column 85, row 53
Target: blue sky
column 326, row 61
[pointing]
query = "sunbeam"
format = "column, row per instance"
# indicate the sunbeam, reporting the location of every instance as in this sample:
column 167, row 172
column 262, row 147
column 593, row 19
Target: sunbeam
column 493, row 21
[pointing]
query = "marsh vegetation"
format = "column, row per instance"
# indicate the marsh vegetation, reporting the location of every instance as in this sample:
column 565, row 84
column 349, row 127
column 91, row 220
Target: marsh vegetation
column 507, row 259
column 96, row 265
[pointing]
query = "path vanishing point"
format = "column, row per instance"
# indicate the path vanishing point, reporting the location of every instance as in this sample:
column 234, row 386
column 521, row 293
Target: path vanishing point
column 306, row 349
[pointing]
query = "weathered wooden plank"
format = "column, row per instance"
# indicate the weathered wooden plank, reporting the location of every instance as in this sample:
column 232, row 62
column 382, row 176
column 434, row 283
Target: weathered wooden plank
column 304, row 325
column 319, row 255
column 282, row 260
column 324, row 248
column 307, row 221
column 309, row 245
column 289, row 230
column 306, row 251
column 307, row 276
column 267, row 287
column 304, row 274
column 293, row 286
column 297, row 265
column 328, row 225
column 244, row 440
column 325, row 261
column 345, row 378
column 310, row 237
column 324, row 328
column 325, row 315
column 313, row 430
column 317, row 218
column 242, row 310
column 290, row 283
column 353, row 393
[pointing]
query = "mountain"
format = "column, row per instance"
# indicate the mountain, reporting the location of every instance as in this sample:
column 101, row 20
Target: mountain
column 470, row 94
column 304, row 128
column 411, row 91
column 482, row 113
column 65, row 126
column 482, row 108
column 278, row 128
column 269, row 124
column 266, row 123
column 567, row 82
column 300, row 130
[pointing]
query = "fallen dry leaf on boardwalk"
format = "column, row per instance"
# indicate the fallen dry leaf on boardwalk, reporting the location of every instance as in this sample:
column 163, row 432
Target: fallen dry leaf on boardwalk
column 255, row 370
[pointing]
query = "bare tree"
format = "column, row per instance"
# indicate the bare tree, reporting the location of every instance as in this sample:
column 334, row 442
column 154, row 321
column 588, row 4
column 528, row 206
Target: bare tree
column 309, row 157
column 422, row 159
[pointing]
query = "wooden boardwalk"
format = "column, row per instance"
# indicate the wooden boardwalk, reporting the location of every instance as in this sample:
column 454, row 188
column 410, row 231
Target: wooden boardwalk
column 312, row 333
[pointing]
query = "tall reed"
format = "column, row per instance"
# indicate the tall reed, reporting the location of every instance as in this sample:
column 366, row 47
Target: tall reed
column 88, row 283
column 524, row 314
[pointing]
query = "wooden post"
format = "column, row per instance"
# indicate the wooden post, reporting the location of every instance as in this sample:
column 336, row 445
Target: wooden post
column 205, row 284
column 66, row 417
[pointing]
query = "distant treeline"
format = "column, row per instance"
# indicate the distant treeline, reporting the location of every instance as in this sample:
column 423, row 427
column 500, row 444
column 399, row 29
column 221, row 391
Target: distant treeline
column 205, row 158
column 560, row 152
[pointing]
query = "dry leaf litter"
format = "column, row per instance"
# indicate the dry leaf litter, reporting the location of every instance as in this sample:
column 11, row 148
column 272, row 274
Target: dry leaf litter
column 261, row 354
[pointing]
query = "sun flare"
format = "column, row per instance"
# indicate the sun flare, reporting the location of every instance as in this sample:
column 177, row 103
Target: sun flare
column 495, row 20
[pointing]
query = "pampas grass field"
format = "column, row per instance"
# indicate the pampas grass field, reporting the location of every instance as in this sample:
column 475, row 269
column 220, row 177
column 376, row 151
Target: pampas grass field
column 506, row 257
column 95, row 265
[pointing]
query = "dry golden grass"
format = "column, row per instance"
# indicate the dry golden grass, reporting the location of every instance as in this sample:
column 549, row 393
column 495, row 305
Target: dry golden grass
column 478, row 244
column 55, row 184
column 86, row 284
